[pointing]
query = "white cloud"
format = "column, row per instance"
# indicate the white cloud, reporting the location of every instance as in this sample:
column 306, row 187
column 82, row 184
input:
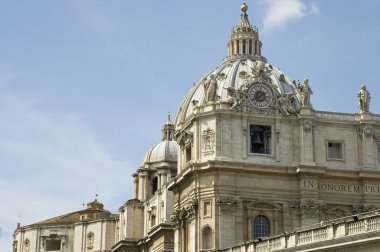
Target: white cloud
column 50, row 165
column 281, row 12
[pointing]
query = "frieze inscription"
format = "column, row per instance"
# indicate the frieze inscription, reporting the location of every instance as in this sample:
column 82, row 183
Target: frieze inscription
column 338, row 187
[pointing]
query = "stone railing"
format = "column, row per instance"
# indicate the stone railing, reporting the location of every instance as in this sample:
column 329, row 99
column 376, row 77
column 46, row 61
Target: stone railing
column 376, row 117
column 339, row 228
column 342, row 116
column 335, row 116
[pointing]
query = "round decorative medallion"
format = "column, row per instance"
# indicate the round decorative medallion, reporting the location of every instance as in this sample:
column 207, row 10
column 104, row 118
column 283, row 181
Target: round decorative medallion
column 260, row 95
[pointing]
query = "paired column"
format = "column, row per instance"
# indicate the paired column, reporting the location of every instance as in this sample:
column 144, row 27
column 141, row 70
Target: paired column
column 142, row 185
column 162, row 177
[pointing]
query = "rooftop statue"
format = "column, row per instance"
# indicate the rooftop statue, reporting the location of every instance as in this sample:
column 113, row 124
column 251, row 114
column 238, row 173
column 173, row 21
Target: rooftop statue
column 306, row 92
column 364, row 99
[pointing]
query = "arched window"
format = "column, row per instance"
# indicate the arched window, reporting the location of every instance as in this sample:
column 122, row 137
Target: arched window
column 154, row 185
column 261, row 227
column 207, row 238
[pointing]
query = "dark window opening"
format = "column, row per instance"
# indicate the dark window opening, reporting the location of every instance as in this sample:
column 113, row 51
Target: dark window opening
column 261, row 227
column 53, row 245
column 335, row 151
column 188, row 154
column 153, row 220
column 260, row 139
column 154, row 185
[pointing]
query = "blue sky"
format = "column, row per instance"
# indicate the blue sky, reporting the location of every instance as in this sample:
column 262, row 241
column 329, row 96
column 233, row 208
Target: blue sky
column 85, row 85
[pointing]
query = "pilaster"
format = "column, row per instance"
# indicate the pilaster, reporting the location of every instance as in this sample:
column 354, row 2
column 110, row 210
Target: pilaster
column 307, row 141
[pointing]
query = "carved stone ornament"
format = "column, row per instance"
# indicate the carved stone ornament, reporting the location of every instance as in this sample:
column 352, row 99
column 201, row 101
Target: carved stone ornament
column 269, row 100
column 227, row 204
column 367, row 131
column 174, row 216
column 295, row 208
column 188, row 212
column 307, row 126
column 192, row 208
column 27, row 243
column 312, row 208
column 243, row 74
column 364, row 131
column 208, row 141
column 222, row 76
column 152, row 211
column 90, row 240
column 356, row 209
column 244, row 130
column 185, row 138
column 308, row 208
column 260, row 73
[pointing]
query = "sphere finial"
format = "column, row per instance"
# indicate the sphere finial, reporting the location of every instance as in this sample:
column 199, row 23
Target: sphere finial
column 244, row 8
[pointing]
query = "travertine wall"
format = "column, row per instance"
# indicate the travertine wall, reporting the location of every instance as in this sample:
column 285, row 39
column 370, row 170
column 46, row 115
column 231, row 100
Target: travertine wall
column 72, row 237
column 297, row 184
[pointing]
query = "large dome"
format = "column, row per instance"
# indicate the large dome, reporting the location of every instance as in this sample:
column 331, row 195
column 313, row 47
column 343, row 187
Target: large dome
column 232, row 73
column 244, row 65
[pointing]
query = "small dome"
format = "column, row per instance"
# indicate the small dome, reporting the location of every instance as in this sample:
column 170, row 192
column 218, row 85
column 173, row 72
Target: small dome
column 96, row 205
column 164, row 151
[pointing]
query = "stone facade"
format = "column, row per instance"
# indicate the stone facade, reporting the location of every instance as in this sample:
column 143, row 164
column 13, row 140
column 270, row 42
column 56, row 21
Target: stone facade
column 248, row 157
column 263, row 160
column 92, row 229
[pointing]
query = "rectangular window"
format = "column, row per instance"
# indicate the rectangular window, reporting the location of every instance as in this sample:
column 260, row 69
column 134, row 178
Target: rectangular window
column 188, row 154
column 153, row 220
column 53, row 245
column 260, row 139
column 334, row 151
column 207, row 209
